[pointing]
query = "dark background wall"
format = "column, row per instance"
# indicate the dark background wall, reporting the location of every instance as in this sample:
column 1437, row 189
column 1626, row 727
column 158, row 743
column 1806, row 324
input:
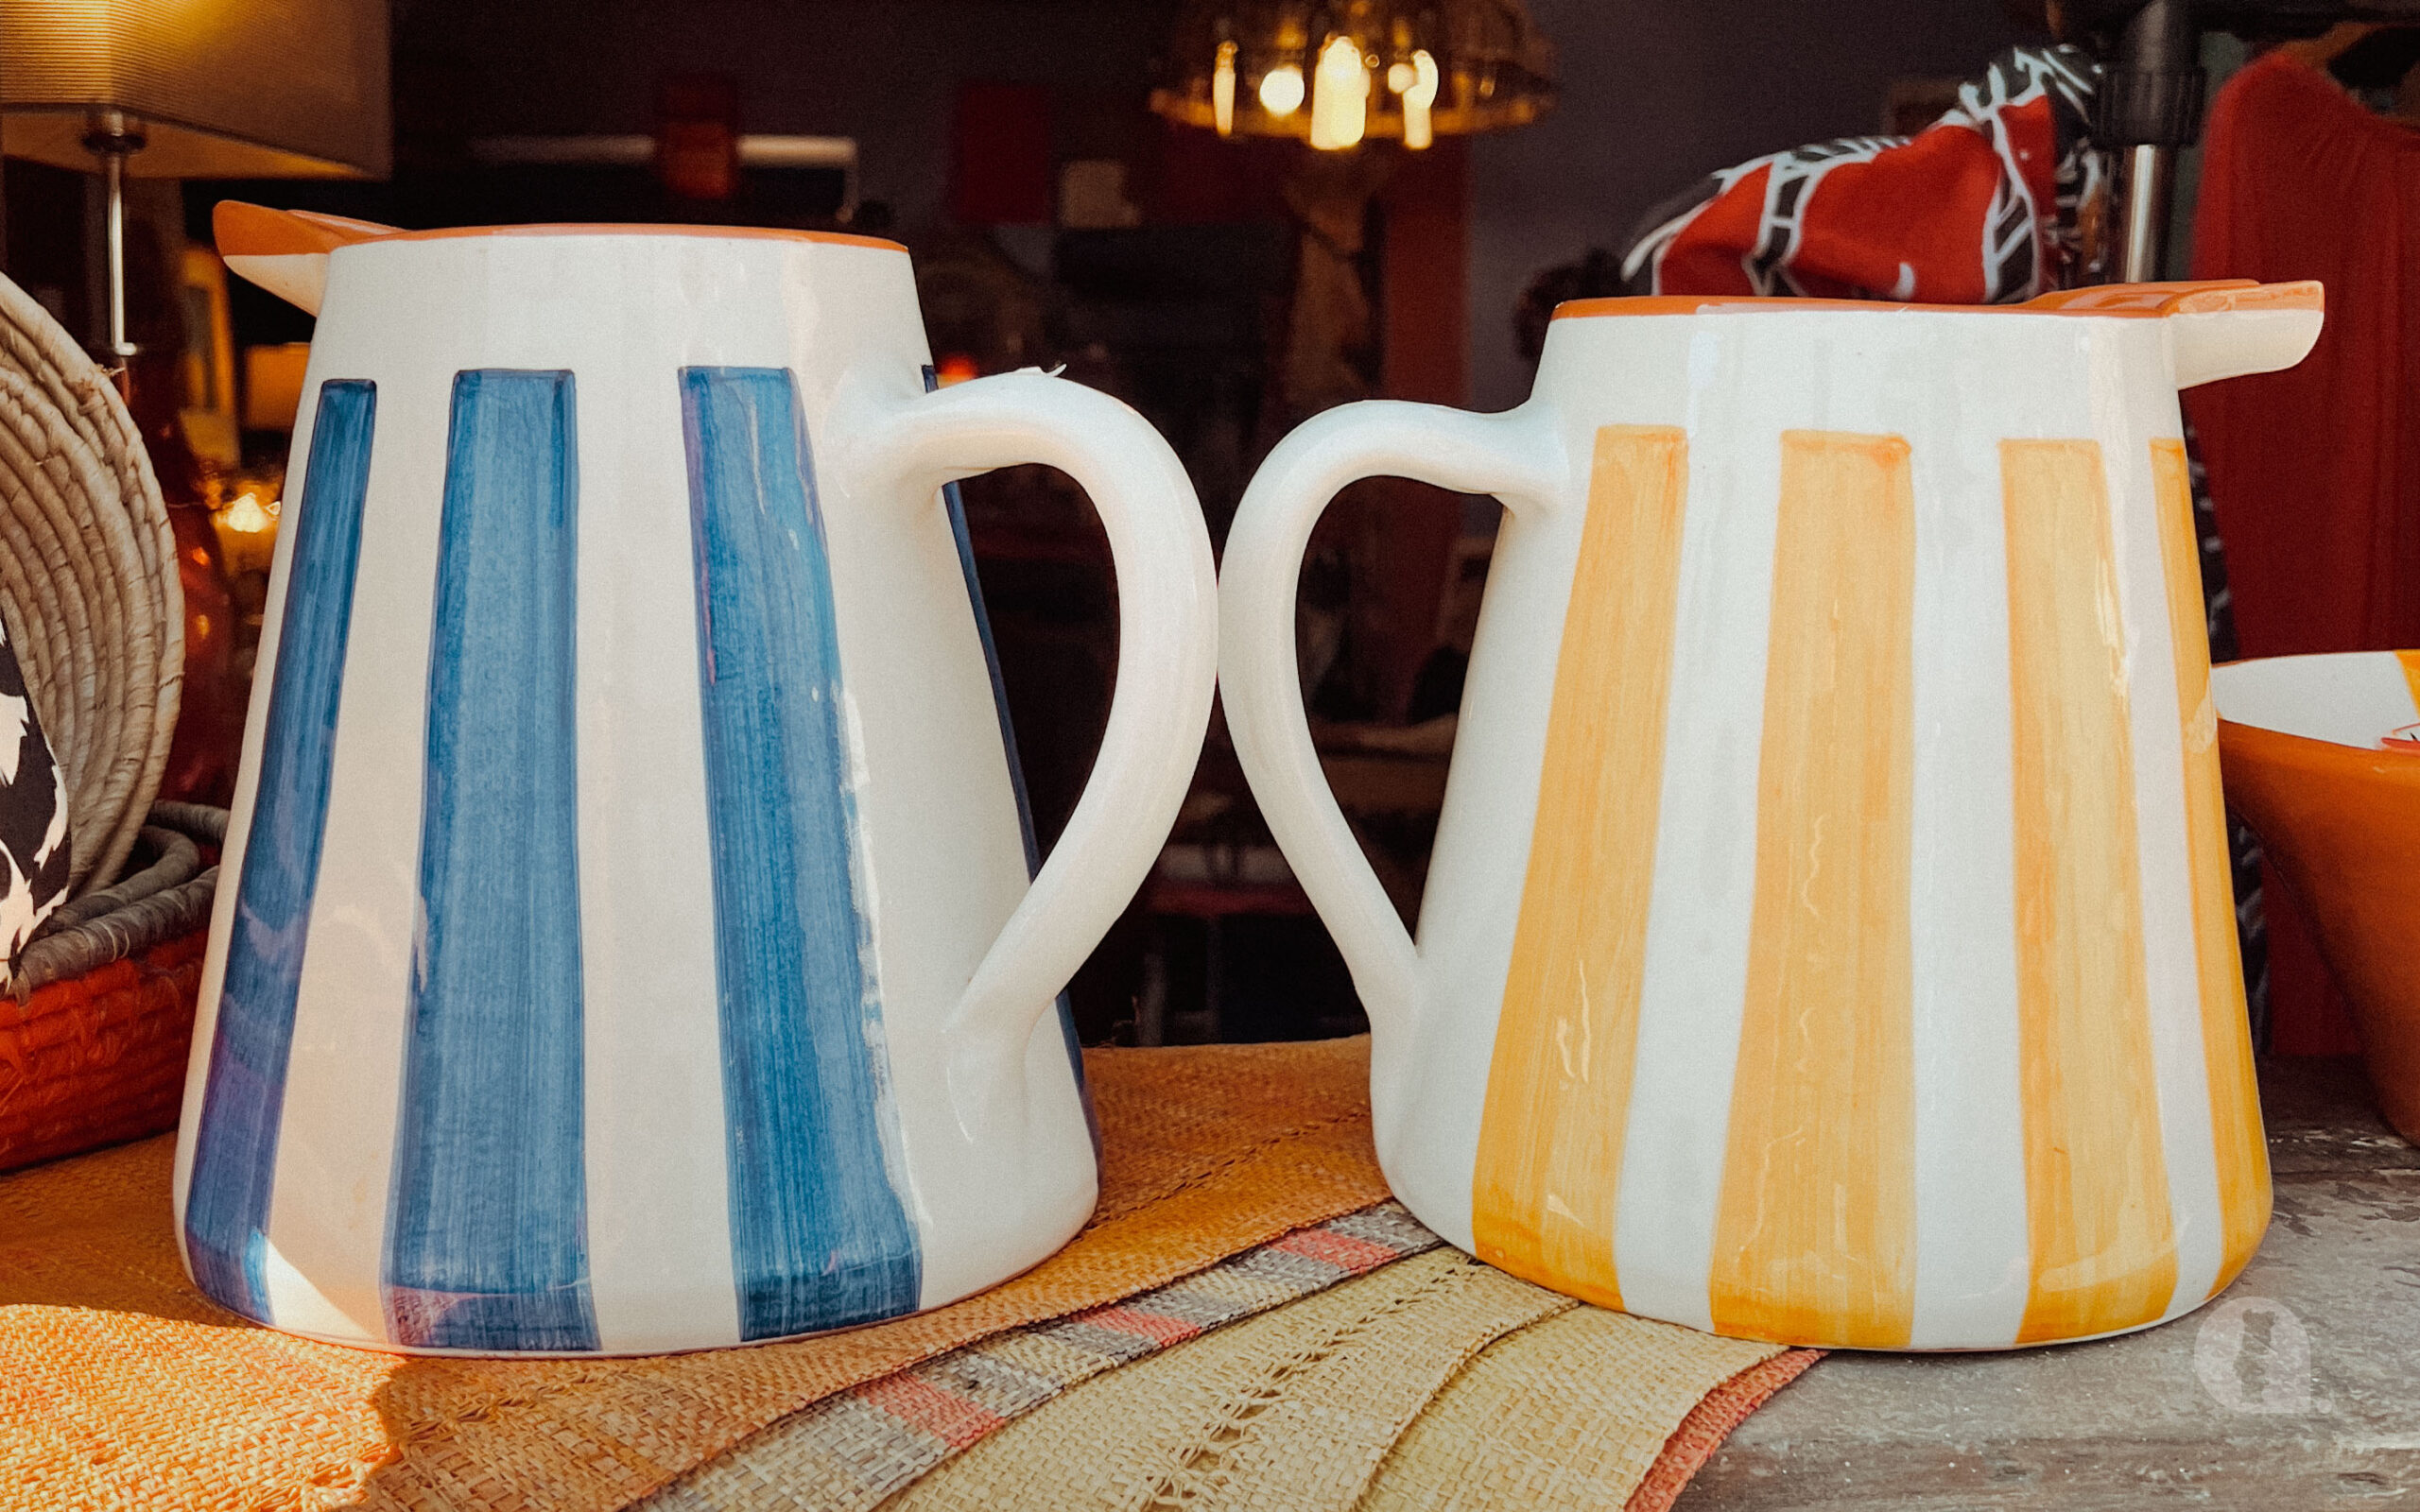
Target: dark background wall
column 884, row 73
column 1656, row 93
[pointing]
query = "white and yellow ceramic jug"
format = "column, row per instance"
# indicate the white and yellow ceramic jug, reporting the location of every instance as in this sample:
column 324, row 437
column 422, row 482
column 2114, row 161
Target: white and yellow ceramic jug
column 1829, row 936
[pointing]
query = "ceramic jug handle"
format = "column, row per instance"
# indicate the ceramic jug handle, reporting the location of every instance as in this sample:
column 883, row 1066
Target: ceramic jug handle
column 1518, row 458
column 1167, row 656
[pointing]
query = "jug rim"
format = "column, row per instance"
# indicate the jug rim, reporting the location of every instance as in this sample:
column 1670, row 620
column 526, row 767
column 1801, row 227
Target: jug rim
column 641, row 228
column 2120, row 301
column 244, row 229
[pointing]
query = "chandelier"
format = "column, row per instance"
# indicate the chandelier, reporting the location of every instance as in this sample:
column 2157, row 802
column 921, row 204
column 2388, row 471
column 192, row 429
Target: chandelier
column 1335, row 73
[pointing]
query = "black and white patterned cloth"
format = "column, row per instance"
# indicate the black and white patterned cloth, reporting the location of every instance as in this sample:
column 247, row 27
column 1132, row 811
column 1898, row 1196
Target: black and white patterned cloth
column 1980, row 208
column 33, row 814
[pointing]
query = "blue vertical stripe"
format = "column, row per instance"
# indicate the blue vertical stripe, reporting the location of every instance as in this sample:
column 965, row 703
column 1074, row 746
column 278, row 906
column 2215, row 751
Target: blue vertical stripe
column 487, row 1244
column 236, row 1141
column 820, row 1237
column 956, row 506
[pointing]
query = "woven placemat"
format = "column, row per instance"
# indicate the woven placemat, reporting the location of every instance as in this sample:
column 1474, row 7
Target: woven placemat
column 121, row 1387
column 1435, row 1383
column 1571, row 1406
column 1576, row 1412
column 850, row 1451
column 1709, row 1423
column 1294, row 1409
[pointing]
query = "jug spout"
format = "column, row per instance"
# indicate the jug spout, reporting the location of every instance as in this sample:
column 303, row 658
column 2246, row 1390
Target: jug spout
column 2229, row 331
column 286, row 251
column 2221, row 328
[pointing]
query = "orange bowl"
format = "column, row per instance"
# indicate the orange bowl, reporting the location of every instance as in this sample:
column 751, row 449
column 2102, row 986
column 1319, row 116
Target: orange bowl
column 2309, row 765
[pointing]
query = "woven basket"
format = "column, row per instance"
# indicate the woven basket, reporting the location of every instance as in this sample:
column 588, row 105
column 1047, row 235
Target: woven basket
column 88, row 581
column 93, row 1046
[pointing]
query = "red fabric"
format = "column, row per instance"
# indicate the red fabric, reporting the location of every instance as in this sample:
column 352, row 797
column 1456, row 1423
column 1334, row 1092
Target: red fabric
column 1710, row 254
column 2307, row 1015
column 2315, row 471
column 1906, row 222
column 1917, row 212
column 1969, row 211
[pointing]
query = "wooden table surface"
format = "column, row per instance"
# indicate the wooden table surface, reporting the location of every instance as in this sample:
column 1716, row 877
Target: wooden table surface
column 2298, row 1390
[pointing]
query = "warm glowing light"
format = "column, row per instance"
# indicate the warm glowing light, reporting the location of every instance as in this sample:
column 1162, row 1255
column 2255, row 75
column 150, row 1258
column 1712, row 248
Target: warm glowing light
column 1339, row 74
column 956, row 369
column 1281, row 90
column 247, row 534
column 1340, row 95
column 1417, row 98
column 247, row 515
column 1222, row 89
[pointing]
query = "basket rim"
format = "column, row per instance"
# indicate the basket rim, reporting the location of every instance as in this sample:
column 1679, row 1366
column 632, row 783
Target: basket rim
column 169, row 898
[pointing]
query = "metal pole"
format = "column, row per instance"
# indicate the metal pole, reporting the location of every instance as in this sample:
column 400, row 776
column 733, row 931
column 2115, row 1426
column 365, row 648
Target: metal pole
column 115, row 138
column 2151, row 177
column 2149, row 107
column 114, row 170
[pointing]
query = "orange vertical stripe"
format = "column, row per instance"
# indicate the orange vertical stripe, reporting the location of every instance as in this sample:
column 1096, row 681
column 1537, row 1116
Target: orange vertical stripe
column 2096, row 1184
column 2226, row 1032
column 1815, row 1239
column 2410, row 660
column 1558, row 1089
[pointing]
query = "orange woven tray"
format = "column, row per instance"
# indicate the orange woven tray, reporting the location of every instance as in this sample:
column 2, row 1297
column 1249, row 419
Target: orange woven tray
column 100, row 1057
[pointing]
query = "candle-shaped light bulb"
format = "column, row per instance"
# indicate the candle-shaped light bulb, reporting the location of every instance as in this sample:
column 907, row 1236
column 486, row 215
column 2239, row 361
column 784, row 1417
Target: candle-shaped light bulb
column 1281, row 90
column 247, row 534
column 1340, row 95
column 1417, row 132
column 247, row 515
column 1222, row 89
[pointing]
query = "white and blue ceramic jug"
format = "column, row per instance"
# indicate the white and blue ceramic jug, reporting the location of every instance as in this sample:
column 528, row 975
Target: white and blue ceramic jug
column 628, row 939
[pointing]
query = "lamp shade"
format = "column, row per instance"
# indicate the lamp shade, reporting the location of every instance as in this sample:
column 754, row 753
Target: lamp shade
column 221, row 89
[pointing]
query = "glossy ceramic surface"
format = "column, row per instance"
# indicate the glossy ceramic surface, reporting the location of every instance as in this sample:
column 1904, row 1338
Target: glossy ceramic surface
column 2340, row 817
column 1828, row 938
column 630, row 938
